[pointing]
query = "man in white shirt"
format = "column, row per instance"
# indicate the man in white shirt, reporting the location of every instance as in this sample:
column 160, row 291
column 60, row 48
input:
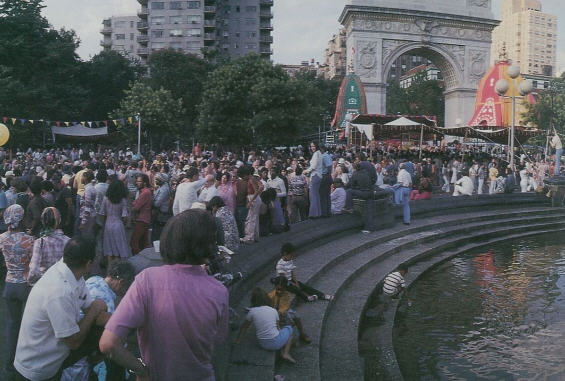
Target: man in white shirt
column 208, row 190
column 50, row 327
column 464, row 186
column 402, row 194
column 186, row 193
column 556, row 143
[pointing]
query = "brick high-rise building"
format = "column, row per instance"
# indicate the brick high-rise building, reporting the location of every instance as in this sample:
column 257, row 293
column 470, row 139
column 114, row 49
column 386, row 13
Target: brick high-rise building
column 530, row 37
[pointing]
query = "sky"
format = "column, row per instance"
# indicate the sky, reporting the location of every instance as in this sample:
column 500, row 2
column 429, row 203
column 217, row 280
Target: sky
column 302, row 28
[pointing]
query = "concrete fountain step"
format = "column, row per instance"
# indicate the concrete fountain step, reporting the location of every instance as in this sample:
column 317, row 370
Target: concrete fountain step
column 337, row 276
column 250, row 360
column 339, row 344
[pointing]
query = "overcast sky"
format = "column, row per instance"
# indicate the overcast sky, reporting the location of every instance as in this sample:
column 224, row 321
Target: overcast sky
column 302, row 28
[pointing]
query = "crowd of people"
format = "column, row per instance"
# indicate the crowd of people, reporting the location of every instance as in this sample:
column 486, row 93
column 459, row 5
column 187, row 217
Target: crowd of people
column 71, row 212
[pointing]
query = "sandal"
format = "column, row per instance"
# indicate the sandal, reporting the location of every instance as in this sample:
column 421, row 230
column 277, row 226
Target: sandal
column 312, row 298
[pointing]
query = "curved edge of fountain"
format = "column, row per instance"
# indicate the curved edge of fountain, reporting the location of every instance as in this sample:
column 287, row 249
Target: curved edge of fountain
column 385, row 333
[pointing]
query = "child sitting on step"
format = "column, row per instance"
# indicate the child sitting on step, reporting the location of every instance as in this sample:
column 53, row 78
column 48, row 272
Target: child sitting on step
column 286, row 267
column 281, row 299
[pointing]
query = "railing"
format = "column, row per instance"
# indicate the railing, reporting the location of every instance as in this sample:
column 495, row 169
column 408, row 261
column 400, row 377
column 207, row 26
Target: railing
column 267, row 14
column 209, row 36
column 266, row 2
column 266, row 26
column 266, row 38
column 210, row 9
column 143, row 38
column 210, row 23
column 106, row 30
column 142, row 25
column 142, row 51
column 143, row 13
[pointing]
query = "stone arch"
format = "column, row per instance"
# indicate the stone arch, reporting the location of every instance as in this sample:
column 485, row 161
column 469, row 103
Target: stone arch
column 451, row 69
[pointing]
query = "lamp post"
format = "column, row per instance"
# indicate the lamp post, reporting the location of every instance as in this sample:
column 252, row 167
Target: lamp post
column 502, row 86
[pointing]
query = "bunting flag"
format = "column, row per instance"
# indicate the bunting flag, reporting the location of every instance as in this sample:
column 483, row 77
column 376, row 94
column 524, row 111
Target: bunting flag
column 131, row 121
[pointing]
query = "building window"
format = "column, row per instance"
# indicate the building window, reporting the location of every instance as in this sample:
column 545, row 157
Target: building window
column 251, row 46
column 175, row 5
column 175, row 33
column 193, row 45
column 120, row 24
column 250, row 21
column 237, row 9
column 193, row 4
column 175, row 20
column 131, row 36
column 251, row 8
column 157, row 45
column 194, row 19
column 194, row 32
column 120, row 36
column 131, row 24
column 251, row 34
column 157, row 33
column 158, row 20
column 158, row 5
column 176, row 45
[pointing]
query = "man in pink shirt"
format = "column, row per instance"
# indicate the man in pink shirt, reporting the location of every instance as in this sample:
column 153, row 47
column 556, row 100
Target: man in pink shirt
column 179, row 311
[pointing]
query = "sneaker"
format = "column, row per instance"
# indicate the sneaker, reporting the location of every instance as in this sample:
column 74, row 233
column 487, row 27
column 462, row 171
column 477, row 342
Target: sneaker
column 312, row 298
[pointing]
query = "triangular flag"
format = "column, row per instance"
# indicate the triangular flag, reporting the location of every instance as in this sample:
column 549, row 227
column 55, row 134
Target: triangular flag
column 90, row 124
column 31, row 121
column 106, row 123
column 14, row 121
column 115, row 121
column 67, row 123
column 83, row 123
column 130, row 120
column 58, row 123
column 5, row 119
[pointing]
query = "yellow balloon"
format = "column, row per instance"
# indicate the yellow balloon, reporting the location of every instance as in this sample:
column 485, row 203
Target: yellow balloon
column 4, row 134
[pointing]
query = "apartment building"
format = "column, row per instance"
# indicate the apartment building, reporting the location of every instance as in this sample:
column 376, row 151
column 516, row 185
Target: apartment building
column 530, row 36
column 120, row 33
column 335, row 57
column 231, row 27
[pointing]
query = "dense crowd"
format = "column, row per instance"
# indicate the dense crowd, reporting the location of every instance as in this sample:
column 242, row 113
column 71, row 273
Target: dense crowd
column 71, row 212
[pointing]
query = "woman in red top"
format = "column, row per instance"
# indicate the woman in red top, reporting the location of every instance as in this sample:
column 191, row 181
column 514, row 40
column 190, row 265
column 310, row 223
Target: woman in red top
column 142, row 212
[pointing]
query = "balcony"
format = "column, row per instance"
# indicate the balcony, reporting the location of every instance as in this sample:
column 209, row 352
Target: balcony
column 143, row 39
column 209, row 37
column 266, row 14
column 268, row 39
column 107, row 30
column 142, row 52
column 266, row 2
column 210, row 23
column 142, row 2
column 142, row 25
column 143, row 13
column 266, row 27
column 266, row 50
column 209, row 9
column 106, row 44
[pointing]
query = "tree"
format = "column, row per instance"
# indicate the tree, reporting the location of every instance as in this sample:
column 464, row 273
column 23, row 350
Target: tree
column 107, row 76
column 40, row 71
column 238, row 97
column 184, row 75
column 422, row 97
column 549, row 108
column 161, row 113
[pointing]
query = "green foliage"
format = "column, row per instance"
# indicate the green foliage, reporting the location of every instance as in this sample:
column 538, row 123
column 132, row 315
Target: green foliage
column 250, row 101
column 549, row 108
column 107, row 76
column 161, row 113
column 184, row 75
column 423, row 97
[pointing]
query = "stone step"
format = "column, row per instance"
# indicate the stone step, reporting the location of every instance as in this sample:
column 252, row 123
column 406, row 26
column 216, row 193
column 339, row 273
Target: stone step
column 339, row 344
column 250, row 356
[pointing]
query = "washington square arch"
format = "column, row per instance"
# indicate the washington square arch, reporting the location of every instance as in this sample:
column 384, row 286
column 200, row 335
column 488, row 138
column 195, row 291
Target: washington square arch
column 454, row 34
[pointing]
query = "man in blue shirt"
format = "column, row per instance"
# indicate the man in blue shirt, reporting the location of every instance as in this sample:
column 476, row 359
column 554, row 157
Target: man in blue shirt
column 325, row 185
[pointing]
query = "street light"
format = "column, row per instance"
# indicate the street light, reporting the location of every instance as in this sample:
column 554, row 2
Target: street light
column 502, row 86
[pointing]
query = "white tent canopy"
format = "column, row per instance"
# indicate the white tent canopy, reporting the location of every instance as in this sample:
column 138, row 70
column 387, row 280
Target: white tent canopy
column 79, row 130
column 403, row 121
